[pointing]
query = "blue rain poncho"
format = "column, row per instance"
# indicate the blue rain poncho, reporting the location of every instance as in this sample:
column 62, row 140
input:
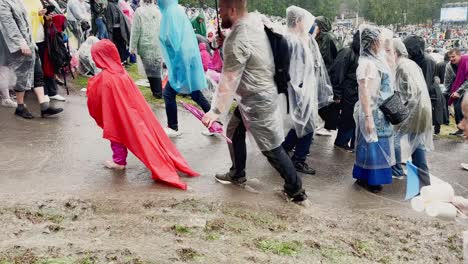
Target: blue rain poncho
column 180, row 49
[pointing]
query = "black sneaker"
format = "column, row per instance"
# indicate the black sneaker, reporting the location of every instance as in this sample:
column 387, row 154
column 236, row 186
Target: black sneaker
column 299, row 197
column 304, row 168
column 24, row 113
column 375, row 188
column 228, row 179
column 458, row 133
column 345, row 148
column 51, row 111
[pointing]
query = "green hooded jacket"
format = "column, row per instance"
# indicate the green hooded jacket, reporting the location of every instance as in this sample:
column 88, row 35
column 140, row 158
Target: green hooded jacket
column 200, row 28
column 328, row 44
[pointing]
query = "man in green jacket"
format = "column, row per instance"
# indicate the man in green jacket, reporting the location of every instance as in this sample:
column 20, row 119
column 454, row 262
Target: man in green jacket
column 199, row 24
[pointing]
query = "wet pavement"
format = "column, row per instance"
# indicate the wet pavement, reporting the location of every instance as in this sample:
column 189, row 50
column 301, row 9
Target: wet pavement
column 64, row 155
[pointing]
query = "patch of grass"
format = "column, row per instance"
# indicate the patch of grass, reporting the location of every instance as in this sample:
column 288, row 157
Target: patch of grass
column 279, row 247
column 453, row 243
column 446, row 130
column 361, row 248
column 261, row 220
column 211, row 237
column 181, row 229
column 56, row 261
column 188, row 254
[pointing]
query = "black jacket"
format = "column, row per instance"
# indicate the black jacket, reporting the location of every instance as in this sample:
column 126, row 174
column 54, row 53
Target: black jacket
column 343, row 73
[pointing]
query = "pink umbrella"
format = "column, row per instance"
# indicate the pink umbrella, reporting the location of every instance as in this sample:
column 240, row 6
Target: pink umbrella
column 216, row 127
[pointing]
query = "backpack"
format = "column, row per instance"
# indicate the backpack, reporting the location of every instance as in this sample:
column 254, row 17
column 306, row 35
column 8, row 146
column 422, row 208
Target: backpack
column 282, row 57
column 60, row 56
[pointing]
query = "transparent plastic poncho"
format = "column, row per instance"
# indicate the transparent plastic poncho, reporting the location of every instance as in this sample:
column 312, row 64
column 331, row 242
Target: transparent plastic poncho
column 248, row 75
column 15, row 30
column 302, row 91
column 180, row 49
column 374, row 133
column 87, row 65
column 145, row 38
column 416, row 131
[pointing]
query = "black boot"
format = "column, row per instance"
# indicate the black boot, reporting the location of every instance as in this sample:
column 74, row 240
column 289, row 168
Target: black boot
column 51, row 111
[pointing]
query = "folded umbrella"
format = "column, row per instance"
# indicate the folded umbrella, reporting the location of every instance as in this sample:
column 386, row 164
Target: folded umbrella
column 216, row 127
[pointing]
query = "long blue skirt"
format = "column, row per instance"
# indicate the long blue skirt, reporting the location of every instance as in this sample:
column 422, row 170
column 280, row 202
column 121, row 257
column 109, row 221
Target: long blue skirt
column 374, row 161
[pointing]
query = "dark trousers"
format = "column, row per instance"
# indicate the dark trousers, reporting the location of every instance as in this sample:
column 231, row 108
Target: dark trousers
column 50, row 85
column 278, row 158
column 302, row 145
column 346, row 137
column 419, row 160
column 170, row 94
column 458, row 110
column 119, row 41
column 156, row 86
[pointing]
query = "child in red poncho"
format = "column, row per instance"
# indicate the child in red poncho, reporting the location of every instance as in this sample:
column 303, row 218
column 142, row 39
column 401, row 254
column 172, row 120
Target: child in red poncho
column 120, row 109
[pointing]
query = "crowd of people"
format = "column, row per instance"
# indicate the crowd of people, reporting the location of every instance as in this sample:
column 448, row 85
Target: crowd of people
column 385, row 95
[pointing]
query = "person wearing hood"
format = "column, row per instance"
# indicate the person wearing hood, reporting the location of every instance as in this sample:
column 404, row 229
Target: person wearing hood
column 199, row 24
column 181, row 55
column 415, row 46
column 375, row 153
column 87, row 66
column 345, row 92
column 119, row 108
column 145, row 42
column 326, row 40
column 19, row 53
column 302, row 90
column 248, row 74
column 415, row 132
column 98, row 15
column 118, row 28
column 205, row 56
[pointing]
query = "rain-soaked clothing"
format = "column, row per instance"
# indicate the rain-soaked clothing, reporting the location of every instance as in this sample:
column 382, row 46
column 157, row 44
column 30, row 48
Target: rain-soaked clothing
column 345, row 89
column 415, row 46
column 87, row 65
column 180, row 49
column 248, row 74
column 329, row 45
column 119, row 108
column 145, row 38
column 199, row 27
column 15, row 29
column 374, row 146
column 414, row 134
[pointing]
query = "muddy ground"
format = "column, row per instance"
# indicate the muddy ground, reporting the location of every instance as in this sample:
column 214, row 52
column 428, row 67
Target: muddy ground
column 59, row 205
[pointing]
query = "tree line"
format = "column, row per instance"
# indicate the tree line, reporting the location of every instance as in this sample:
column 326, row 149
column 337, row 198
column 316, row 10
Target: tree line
column 382, row 12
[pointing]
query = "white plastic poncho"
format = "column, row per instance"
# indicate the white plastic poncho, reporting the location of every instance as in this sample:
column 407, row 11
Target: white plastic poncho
column 15, row 30
column 248, row 73
column 145, row 38
column 416, row 131
column 374, row 133
column 87, row 66
column 302, row 90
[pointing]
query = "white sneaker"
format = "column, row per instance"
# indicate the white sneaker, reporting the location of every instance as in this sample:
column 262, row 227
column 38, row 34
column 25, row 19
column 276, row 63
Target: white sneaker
column 207, row 133
column 172, row 133
column 113, row 166
column 8, row 103
column 58, row 97
column 46, row 99
column 464, row 166
column 323, row 132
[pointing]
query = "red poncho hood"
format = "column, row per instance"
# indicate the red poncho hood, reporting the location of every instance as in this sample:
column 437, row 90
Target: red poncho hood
column 119, row 108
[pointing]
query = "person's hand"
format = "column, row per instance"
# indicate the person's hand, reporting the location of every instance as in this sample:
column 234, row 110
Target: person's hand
column 337, row 101
column 209, row 118
column 370, row 126
column 456, row 95
column 42, row 12
column 25, row 49
column 48, row 18
column 220, row 40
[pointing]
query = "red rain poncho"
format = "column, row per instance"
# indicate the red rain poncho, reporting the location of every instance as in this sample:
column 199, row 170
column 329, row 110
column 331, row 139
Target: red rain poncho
column 120, row 109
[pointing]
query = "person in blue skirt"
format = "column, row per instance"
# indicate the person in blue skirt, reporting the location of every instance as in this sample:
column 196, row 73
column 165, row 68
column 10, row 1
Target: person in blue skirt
column 374, row 133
